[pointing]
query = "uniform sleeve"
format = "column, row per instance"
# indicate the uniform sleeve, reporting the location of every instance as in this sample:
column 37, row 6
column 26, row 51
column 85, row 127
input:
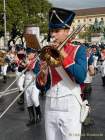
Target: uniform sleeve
column 78, row 68
column 36, row 68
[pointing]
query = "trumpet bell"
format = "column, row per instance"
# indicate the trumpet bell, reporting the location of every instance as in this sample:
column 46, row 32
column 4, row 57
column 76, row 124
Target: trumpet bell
column 21, row 56
column 51, row 56
column 2, row 54
column 2, row 61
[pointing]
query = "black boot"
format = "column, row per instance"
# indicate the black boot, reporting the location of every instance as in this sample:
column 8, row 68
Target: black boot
column 38, row 114
column 31, row 116
column 4, row 78
column 21, row 99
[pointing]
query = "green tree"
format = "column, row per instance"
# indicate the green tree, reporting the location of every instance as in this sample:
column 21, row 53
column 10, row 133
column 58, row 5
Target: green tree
column 86, row 34
column 36, row 12
column 23, row 12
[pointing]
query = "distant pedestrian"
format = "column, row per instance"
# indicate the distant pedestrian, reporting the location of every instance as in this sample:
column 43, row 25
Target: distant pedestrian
column 103, row 65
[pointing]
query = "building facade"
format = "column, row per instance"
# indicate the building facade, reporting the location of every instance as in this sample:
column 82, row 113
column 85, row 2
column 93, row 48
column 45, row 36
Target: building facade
column 91, row 16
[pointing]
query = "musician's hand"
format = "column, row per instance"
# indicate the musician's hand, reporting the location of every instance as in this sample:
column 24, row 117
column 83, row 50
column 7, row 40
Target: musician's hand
column 43, row 66
column 24, row 64
column 29, row 67
column 30, row 64
column 42, row 77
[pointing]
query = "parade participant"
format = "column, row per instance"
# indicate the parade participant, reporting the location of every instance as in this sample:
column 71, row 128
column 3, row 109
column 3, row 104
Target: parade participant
column 96, row 56
column 87, row 88
column 102, row 67
column 4, row 67
column 32, row 93
column 11, row 59
column 20, row 61
column 90, row 73
column 62, row 83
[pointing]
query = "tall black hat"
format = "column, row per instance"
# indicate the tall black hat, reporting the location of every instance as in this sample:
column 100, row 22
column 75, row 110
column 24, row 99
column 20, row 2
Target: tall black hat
column 60, row 18
column 31, row 50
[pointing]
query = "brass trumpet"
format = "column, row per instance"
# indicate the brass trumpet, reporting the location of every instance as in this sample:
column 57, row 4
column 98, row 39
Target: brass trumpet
column 51, row 56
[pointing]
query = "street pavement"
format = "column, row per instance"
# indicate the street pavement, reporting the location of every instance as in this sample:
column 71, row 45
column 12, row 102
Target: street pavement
column 13, row 123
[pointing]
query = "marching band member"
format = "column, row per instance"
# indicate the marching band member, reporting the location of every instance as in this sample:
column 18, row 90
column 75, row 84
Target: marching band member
column 11, row 59
column 6, row 59
column 62, row 83
column 4, row 68
column 21, row 64
column 32, row 93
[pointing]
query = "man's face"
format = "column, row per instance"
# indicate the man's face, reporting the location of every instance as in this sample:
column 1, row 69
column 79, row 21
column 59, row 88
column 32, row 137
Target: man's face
column 30, row 55
column 59, row 35
column 88, row 51
column 103, row 54
column 94, row 50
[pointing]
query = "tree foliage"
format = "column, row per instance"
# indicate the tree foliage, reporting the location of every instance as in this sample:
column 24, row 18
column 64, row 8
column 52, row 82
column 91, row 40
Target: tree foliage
column 92, row 29
column 23, row 12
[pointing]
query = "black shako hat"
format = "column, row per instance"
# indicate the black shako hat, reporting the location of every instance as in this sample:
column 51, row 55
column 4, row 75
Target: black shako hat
column 60, row 18
column 30, row 50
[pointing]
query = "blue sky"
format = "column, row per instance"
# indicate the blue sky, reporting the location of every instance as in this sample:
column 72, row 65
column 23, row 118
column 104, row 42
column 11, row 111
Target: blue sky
column 78, row 4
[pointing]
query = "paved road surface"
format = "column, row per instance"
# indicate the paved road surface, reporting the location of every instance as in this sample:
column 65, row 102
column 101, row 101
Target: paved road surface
column 12, row 124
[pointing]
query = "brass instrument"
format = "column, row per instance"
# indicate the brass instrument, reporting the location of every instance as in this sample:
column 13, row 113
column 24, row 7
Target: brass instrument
column 2, row 57
column 52, row 55
column 48, row 53
column 1, row 61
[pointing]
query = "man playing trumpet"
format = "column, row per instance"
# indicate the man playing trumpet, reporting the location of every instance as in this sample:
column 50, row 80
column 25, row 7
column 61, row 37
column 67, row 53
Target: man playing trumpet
column 62, row 82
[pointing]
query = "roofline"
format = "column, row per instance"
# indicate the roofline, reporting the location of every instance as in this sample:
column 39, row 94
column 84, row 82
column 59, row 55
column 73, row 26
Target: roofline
column 90, row 11
column 90, row 15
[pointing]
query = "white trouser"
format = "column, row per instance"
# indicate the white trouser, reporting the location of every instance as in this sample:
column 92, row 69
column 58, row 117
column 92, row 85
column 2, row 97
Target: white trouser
column 62, row 118
column 4, row 69
column 32, row 95
column 20, row 81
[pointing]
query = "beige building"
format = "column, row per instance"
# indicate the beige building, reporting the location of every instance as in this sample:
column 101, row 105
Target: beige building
column 89, row 16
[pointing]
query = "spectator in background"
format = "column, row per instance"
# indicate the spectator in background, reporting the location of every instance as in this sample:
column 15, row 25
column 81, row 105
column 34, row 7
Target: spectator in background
column 103, row 65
